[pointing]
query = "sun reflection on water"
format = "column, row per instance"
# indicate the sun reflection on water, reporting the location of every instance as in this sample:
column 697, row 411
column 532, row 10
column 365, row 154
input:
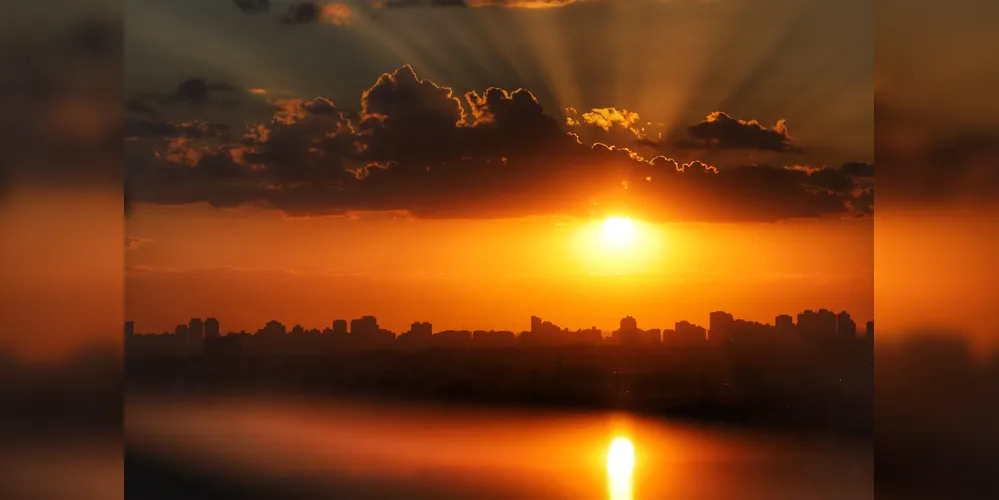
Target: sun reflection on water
column 620, row 463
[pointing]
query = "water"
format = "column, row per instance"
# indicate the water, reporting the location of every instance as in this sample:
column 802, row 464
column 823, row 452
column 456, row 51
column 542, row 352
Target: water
column 305, row 449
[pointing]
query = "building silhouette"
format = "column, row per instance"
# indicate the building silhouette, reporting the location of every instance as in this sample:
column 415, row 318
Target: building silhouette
column 453, row 338
column 340, row 328
column 689, row 333
column 493, row 339
column 420, row 334
column 363, row 327
column 196, row 329
column 721, row 327
column 273, row 329
column 784, row 323
column 818, row 328
column 212, row 329
column 846, row 328
column 590, row 336
column 630, row 334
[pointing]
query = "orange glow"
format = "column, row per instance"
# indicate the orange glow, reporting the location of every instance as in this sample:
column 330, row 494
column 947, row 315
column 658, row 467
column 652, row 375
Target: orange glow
column 621, row 457
column 335, row 13
column 619, row 231
column 620, row 464
column 489, row 274
column 619, row 245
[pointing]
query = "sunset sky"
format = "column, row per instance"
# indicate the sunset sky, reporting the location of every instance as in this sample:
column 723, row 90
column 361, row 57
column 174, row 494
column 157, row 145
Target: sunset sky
column 427, row 161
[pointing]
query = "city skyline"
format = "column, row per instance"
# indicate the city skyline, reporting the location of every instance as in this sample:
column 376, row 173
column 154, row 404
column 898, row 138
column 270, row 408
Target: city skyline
column 428, row 165
column 823, row 321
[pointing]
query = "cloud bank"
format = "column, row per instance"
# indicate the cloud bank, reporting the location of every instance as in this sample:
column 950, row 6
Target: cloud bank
column 416, row 146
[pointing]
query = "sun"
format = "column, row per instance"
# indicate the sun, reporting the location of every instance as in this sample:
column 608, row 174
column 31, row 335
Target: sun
column 621, row 457
column 619, row 231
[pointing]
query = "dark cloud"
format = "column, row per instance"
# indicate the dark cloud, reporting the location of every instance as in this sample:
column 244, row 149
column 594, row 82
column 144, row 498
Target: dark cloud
column 144, row 128
column 198, row 90
column 253, row 6
column 830, row 179
column 408, row 119
column 306, row 141
column 862, row 202
column 513, row 4
column 512, row 124
column 307, row 12
column 857, row 169
column 416, row 147
column 721, row 131
column 138, row 105
column 398, row 4
column 303, row 13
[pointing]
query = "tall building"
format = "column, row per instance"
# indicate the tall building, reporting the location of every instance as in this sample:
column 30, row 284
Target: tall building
column 628, row 324
column 535, row 324
column 491, row 338
column 212, row 329
column 846, row 328
column 364, row 326
column 196, row 329
column 784, row 323
column 340, row 327
column 129, row 329
column 807, row 322
column 825, row 323
column 869, row 333
column 273, row 329
column 653, row 336
column 180, row 332
column 721, row 327
column 686, row 332
column 422, row 328
column 590, row 336
column 420, row 334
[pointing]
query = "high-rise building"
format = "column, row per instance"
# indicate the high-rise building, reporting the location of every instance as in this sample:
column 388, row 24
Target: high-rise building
column 196, row 329
column 420, row 334
column 535, row 324
column 273, row 329
column 826, row 323
column 340, row 327
column 846, row 328
column 422, row 328
column 687, row 332
column 491, row 338
column 653, row 336
column 869, row 333
column 129, row 329
column 629, row 324
column 212, row 329
column 807, row 322
column 721, row 327
column 784, row 323
column 364, row 326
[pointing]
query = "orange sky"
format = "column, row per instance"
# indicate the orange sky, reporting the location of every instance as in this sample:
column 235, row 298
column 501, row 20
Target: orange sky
column 248, row 266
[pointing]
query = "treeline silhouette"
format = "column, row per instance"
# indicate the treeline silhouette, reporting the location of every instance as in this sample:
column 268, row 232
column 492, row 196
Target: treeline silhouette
column 813, row 373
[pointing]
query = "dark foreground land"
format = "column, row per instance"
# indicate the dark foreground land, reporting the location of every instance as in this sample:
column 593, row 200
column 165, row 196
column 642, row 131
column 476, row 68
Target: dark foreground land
column 828, row 388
